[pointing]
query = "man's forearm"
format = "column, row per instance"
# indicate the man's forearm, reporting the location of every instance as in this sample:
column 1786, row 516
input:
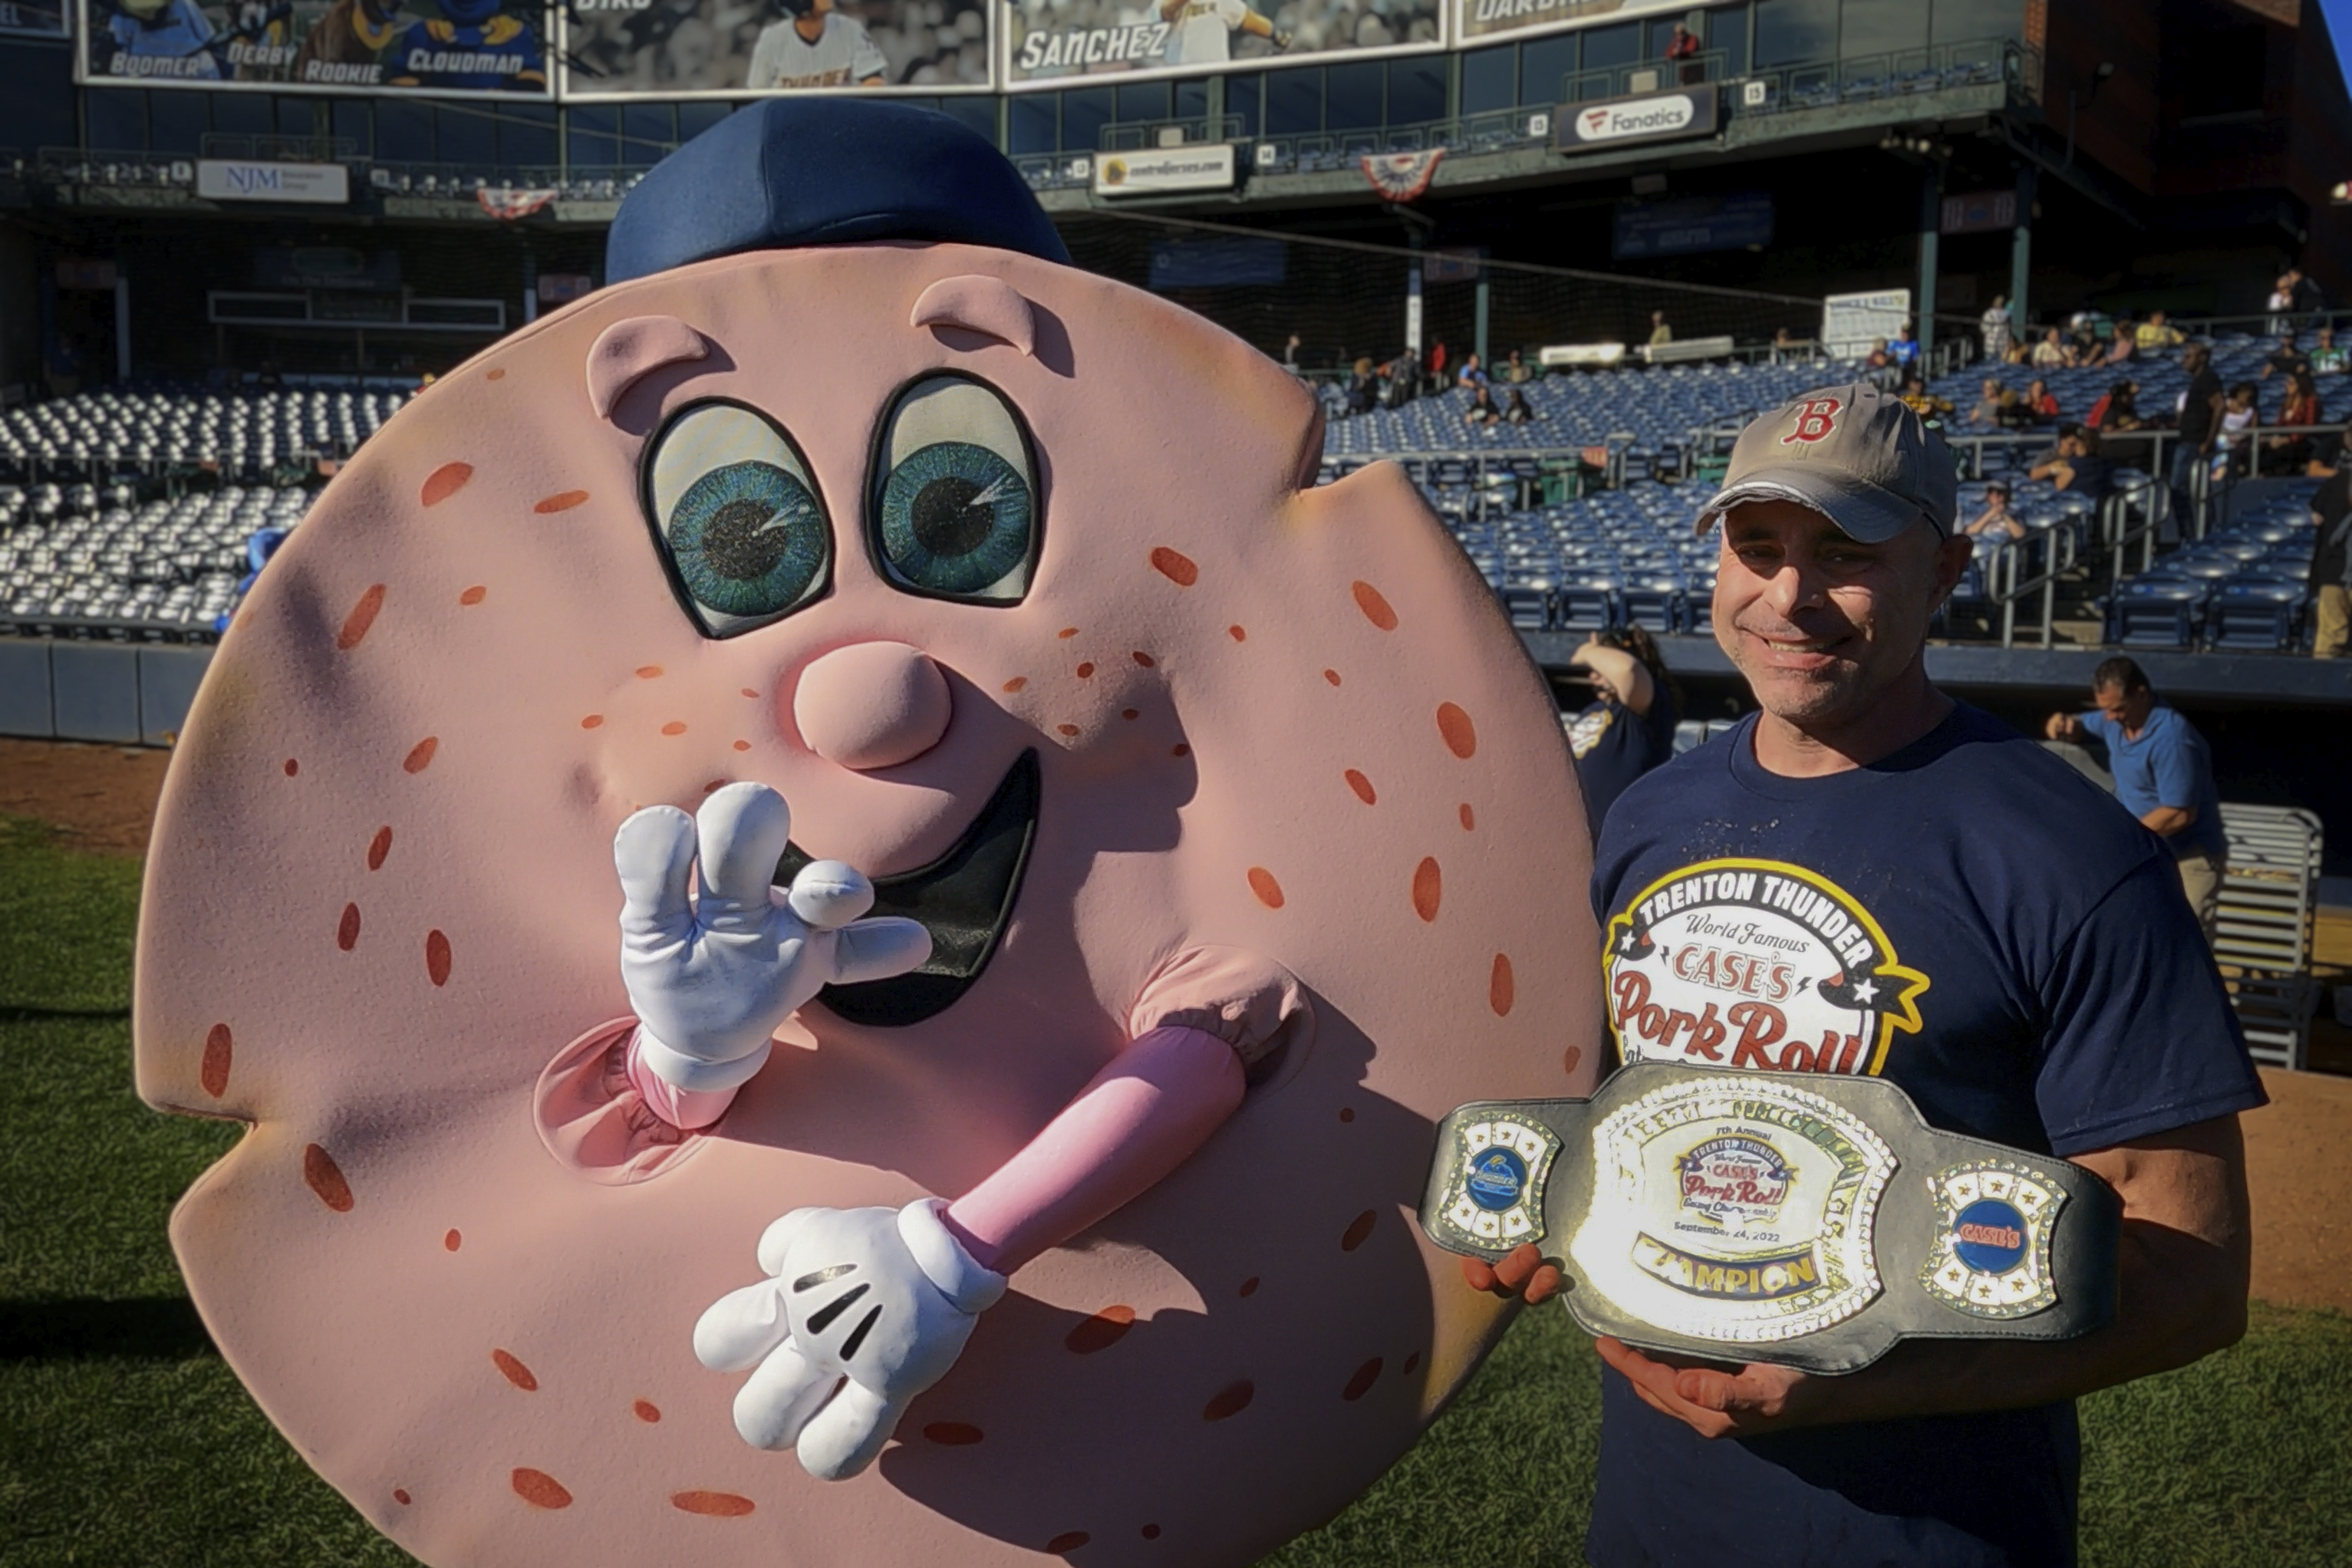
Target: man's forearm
column 2168, row 820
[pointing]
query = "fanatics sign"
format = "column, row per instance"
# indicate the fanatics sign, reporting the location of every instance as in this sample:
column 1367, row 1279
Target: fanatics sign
column 1652, row 117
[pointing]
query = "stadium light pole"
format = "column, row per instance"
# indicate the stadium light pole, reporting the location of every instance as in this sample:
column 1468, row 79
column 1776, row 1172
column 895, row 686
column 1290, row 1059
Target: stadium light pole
column 2020, row 254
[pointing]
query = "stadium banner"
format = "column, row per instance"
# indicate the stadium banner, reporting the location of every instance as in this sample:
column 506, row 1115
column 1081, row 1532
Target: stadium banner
column 1852, row 324
column 34, row 18
column 1217, row 263
column 1647, row 117
column 1691, row 226
column 1050, row 43
column 246, row 180
column 1477, row 19
column 695, row 48
column 1200, row 167
column 442, row 48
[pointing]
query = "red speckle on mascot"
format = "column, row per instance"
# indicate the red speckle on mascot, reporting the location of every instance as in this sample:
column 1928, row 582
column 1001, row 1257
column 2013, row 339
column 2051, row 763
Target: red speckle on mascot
column 1158, row 844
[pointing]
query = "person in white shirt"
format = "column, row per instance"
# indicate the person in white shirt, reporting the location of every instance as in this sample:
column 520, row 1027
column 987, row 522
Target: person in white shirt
column 814, row 46
column 1203, row 30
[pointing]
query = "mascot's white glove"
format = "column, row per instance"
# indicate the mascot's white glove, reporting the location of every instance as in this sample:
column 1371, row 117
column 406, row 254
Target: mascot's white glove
column 712, row 980
column 885, row 1299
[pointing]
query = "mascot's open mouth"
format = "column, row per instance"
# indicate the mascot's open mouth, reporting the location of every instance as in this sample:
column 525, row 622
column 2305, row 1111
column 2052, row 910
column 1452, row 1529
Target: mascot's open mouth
column 964, row 898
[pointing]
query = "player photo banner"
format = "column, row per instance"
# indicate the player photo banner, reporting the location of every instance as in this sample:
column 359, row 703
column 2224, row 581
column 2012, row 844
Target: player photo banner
column 1490, row 18
column 687, row 48
column 1052, row 41
column 444, row 47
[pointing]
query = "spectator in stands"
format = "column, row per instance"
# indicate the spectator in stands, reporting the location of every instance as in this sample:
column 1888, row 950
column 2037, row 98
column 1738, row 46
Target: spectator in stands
column 2041, row 403
column 1437, row 362
column 2288, row 454
column 2164, row 775
column 2327, row 359
column 2302, row 294
column 1481, row 410
column 1290, row 355
column 1995, row 325
column 1629, row 726
column 2117, row 409
column 1515, row 371
column 2239, row 414
column 2331, row 561
column 2076, row 467
column 1661, row 334
column 1904, row 350
column 2281, row 303
column 2083, row 341
column 2283, row 360
column 2123, row 346
column 1516, row 412
column 1363, row 387
column 1996, row 517
column 2049, row 353
column 2155, row 334
column 1991, row 399
column 1473, row 374
column 1922, row 402
column 1682, row 49
column 2199, row 423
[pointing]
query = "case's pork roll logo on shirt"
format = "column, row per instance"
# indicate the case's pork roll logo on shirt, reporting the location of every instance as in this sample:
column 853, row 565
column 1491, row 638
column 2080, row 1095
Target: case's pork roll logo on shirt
column 1756, row 963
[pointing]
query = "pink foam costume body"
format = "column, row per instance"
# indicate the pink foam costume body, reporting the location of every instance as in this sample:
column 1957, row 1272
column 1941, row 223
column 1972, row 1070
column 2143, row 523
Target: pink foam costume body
column 457, row 1261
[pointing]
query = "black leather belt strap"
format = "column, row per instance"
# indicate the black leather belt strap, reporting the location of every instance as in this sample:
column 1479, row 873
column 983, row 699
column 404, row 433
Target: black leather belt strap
column 1806, row 1219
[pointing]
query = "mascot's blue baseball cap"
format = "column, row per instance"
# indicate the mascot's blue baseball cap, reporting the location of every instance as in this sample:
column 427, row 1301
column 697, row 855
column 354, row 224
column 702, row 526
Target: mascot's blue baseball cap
column 791, row 171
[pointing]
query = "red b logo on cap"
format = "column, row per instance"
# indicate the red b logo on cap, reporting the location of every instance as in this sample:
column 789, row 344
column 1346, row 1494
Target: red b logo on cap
column 1815, row 420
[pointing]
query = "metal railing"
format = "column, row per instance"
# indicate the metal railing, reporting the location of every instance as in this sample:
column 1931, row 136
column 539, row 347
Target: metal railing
column 1142, row 135
column 1908, row 73
column 277, row 149
column 1645, row 76
column 2024, row 568
column 102, row 166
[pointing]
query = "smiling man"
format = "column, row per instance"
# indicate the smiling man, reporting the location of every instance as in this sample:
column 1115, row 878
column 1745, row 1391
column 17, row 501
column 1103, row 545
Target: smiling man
column 2031, row 975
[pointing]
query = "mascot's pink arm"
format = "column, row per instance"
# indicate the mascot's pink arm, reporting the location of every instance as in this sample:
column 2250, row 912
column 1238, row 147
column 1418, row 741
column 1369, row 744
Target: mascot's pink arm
column 1140, row 1118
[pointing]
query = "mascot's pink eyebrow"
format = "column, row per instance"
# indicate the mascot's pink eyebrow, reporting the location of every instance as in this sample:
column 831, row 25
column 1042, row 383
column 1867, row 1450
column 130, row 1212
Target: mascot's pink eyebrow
column 628, row 350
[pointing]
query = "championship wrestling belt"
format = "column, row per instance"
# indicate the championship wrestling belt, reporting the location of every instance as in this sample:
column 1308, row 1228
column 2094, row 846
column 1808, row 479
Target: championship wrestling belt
column 1797, row 1218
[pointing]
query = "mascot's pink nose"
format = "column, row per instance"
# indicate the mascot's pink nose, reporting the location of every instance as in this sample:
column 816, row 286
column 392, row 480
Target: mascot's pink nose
column 872, row 705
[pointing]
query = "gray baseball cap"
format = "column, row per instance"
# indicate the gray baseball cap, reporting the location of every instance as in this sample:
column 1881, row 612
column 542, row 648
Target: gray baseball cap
column 1858, row 456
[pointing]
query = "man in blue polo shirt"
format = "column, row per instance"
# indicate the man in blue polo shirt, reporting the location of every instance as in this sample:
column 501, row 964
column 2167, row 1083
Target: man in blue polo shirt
column 1871, row 878
column 2164, row 776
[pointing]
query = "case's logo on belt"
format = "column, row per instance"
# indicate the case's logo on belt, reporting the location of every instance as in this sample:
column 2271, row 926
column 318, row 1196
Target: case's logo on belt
column 1992, row 1257
column 1756, row 963
column 1734, row 1181
column 1736, row 1208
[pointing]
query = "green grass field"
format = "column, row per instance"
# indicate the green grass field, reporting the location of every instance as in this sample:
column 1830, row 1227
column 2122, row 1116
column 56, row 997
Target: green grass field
column 125, row 1442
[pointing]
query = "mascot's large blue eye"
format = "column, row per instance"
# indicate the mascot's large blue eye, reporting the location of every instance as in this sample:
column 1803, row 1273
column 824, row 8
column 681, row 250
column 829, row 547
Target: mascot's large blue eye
column 955, row 512
column 738, row 520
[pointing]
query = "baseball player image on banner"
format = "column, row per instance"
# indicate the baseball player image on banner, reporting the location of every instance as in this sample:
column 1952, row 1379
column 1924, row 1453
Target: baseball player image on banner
column 454, row 46
column 1204, row 30
column 1052, row 40
column 677, row 48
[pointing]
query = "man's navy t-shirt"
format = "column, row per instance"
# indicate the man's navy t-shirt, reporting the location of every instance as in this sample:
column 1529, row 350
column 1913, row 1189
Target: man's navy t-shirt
column 2167, row 763
column 1614, row 745
column 1974, row 921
